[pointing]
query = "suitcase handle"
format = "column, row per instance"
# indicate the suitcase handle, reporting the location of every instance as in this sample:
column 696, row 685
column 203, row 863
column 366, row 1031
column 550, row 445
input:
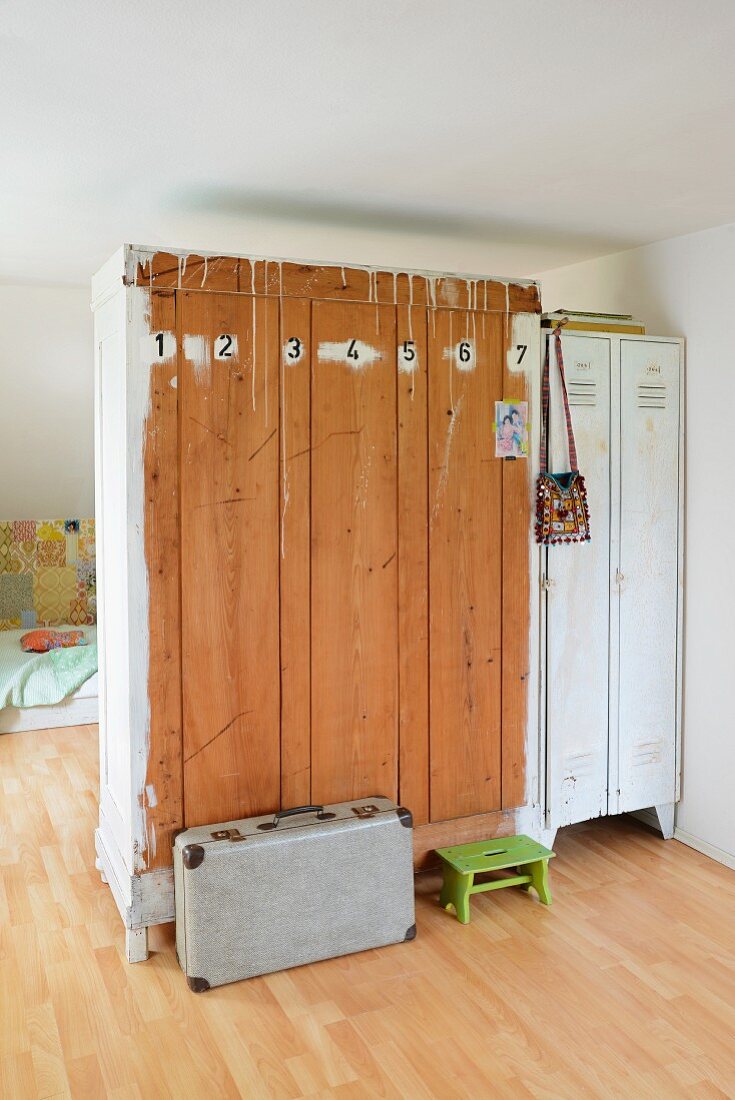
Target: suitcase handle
column 318, row 810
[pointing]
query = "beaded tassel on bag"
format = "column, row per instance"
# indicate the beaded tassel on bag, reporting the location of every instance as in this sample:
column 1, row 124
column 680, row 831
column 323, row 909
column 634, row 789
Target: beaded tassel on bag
column 562, row 512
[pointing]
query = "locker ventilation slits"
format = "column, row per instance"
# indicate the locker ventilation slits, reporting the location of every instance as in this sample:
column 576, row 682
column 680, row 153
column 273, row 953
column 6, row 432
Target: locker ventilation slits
column 582, row 391
column 651, row 395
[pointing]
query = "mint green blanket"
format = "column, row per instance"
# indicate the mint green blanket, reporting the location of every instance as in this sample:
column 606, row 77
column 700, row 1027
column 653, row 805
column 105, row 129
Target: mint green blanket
column 42, row 679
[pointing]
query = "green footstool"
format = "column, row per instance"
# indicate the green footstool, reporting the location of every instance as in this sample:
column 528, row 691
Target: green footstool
column 464, row 861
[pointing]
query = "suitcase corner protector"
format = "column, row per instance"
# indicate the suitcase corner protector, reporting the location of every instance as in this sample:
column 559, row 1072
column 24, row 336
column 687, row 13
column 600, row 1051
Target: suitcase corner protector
column 192, row 855
column 405, row 817
column 410, row 934
column 197, row 985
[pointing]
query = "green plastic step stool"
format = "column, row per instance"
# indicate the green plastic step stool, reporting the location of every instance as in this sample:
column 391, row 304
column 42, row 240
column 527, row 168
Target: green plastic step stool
column 463, row 861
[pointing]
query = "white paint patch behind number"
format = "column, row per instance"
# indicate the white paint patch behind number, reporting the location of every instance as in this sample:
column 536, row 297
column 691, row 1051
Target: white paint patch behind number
column 196, row 350
column 408, row 359
column 462, row 355
column 157, row 347
column 225, row 347
column 353, row 353
column 524, row 334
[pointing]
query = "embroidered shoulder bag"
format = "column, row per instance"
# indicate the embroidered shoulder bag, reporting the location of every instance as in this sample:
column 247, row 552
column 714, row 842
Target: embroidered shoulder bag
column 562, row 513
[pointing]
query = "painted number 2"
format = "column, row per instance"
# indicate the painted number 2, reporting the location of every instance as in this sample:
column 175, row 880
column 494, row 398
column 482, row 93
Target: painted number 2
column 223, row 347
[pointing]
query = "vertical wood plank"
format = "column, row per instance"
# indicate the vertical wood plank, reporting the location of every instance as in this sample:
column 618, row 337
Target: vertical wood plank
column 164, row 784
column 295, row 492
column 353, row 552
column 465, row 501
column 413, row 562
column 229, row 555
column 516, row 611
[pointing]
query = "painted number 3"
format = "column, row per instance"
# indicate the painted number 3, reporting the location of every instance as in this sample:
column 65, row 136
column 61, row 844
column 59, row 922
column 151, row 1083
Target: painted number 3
column 294, row 347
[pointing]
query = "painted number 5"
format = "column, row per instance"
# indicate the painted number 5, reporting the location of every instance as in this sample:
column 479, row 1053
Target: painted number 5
column 408, row 351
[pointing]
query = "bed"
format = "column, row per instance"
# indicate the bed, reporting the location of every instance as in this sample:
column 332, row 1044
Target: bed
column 26, row 677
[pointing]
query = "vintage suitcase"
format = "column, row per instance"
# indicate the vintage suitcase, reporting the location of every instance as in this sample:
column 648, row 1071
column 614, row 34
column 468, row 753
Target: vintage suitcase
column 267, row 893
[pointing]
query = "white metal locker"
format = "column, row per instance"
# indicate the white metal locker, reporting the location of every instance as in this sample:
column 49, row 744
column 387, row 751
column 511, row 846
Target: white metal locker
column 578, row 605
column 612, row 614
column 642, row 757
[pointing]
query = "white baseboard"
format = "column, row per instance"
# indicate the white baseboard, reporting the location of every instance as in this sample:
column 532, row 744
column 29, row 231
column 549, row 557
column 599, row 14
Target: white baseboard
column 707, row 849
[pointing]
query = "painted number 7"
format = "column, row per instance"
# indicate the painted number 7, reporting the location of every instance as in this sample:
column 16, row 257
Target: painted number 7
column 522, row 349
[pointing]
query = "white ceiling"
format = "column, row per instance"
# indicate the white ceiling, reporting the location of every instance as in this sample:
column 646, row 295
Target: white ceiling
column 526, row 132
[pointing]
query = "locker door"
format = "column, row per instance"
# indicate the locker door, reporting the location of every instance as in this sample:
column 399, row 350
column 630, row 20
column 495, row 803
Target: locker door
column 228, row 389
column 577, row 606
column 354, row 568
column 466, row 353
column 644, row 753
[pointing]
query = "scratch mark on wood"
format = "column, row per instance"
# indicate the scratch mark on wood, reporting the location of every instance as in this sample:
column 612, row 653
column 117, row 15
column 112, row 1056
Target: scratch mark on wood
column 222, row 438
column 389, row 560
column 262, row 445
column 229, row 500
column 297, row 454
column 219, row 734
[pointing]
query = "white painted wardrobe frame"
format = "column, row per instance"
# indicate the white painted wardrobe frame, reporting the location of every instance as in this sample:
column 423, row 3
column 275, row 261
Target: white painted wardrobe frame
column 650, row 816
column 146, row 897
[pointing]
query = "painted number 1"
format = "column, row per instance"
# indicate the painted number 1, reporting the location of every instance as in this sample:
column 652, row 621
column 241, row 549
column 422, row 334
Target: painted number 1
column 159, row 342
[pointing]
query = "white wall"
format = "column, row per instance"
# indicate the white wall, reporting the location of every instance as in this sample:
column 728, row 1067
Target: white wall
column 46, row 403
column 686, row 287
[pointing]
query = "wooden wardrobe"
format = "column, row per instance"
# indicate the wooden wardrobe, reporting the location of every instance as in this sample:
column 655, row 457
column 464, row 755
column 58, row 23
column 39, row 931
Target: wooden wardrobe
column 314, row 573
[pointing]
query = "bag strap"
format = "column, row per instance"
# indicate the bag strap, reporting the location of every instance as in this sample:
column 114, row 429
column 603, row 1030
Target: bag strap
column 545, row 395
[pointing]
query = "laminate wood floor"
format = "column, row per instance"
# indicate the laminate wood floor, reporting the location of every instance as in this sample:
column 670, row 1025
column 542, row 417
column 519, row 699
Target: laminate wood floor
column 625, row 987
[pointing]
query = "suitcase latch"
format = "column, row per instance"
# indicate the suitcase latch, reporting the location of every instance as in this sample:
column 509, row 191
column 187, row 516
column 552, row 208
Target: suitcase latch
column 228, row 834
column 365, row 811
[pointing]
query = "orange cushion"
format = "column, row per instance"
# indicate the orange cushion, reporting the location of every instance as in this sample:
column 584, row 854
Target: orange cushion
column 40, row 641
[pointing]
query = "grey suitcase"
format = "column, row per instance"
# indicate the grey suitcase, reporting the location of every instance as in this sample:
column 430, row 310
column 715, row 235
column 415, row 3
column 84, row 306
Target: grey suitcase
column 267, row 893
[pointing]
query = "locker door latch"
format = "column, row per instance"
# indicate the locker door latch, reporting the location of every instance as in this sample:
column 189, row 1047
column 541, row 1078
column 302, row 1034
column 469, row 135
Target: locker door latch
column 619, row 578
column 547, row 584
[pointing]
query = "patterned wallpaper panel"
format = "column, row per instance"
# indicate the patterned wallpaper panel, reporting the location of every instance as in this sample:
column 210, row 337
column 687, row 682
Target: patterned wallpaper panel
column 47, row 572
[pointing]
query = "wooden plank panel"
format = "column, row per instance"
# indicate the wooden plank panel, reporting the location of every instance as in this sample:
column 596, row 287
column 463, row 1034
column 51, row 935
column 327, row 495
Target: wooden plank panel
column 465, row 500
column 516, row 616
column 295, row 352
column 286, row 278
column 354, row 550
column 413, row 562
column 229, row 553
column 164, row 781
